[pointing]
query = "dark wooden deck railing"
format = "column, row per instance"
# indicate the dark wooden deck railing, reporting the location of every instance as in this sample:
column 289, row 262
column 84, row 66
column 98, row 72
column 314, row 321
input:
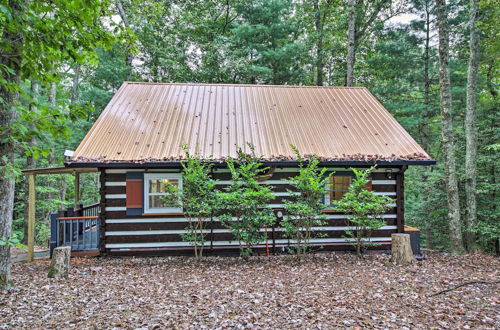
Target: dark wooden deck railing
column 77, row 228
column 89, row 210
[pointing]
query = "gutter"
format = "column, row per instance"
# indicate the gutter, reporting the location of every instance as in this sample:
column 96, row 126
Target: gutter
column 174, row 164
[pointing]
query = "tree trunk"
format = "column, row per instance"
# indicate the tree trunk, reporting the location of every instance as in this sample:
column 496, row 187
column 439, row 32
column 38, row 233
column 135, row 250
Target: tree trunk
column 426, row 113
column 7, row 115
column 60, row 263
column 76, row 81
column 319, row 44
column 30, row 163
column 427, row 82
column 52, row 94
column 51, row 158
column 447, row 131
column 351, row 42
column 62, row 187
column 401, row 250
column 123, row 15
column 50, row 186
column 471, row 130
column 9, row 96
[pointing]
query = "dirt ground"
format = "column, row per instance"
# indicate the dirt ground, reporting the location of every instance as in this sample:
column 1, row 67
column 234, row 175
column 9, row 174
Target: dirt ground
column 19, row 254
column 325, row 291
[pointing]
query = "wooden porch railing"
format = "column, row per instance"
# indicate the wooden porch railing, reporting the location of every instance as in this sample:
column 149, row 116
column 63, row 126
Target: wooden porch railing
column 78, row 228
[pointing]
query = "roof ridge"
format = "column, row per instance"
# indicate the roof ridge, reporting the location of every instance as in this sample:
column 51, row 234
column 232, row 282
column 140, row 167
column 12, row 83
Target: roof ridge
column 239, row 85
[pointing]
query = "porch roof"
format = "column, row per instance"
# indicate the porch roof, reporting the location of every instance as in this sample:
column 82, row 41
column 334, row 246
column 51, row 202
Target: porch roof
column 60, row 170
column 31, row 174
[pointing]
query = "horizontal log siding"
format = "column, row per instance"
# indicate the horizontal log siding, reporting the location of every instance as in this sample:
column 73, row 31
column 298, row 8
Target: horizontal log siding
column 158, row 234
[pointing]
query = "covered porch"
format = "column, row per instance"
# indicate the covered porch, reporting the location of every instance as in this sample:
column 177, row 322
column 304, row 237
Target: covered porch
column 77, row 226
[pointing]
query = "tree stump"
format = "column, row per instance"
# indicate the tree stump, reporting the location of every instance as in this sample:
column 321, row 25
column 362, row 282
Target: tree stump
column 59, row 266
column 401, row 249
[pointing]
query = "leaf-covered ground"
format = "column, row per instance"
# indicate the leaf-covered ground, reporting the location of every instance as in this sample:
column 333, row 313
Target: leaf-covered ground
column 325, row 291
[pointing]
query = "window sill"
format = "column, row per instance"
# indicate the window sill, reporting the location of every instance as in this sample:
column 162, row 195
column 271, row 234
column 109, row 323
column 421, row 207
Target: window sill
column 165, row 213
column 329, row 211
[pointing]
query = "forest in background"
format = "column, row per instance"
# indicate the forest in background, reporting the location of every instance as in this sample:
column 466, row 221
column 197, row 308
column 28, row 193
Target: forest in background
column 390, row 47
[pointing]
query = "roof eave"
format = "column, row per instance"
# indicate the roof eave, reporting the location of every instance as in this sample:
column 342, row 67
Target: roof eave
column 173, row 164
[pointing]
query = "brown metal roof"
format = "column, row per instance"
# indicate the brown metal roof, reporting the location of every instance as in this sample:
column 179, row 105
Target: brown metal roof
column 148, row 122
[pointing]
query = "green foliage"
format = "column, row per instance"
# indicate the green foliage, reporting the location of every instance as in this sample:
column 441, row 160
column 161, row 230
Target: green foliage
column 48, row 34
column 364, row 209
column 304, row 210
column 12, row 242
column 243, row 207
column 197, row 198
column 264, row 36
column 425, row 193
column 40, row 41
column 264, row 41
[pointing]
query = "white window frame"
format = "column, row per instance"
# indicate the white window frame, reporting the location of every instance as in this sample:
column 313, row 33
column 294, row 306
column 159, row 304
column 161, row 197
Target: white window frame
column 160, row 176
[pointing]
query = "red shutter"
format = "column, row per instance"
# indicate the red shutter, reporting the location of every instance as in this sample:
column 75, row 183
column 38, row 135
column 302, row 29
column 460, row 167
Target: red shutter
column 369, row 185
column 134, row 191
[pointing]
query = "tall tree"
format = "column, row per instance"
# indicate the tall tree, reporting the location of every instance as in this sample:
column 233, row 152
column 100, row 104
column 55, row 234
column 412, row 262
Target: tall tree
column 38, row 37
column 471, row 129
column 12, row 43
column 74, row 88
column 321, row 13
column 266, row 37
column 129, row 57
column 427, row 80
column 362, row 16
column 30, row 158
column 351, row 42
column 447, row 130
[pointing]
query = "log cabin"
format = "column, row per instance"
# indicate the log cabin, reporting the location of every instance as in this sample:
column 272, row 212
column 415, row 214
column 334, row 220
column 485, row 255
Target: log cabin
column 136, row 145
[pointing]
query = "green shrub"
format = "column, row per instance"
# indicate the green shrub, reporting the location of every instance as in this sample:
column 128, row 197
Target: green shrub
column 197, row 198
column 364, row 210
column 303, row 211
column 243, row 207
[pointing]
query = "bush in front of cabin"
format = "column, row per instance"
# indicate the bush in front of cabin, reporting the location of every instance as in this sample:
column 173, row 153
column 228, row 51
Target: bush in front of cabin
column 243, row 206
column 364, row 210
column 303, row 211
column 197, row 199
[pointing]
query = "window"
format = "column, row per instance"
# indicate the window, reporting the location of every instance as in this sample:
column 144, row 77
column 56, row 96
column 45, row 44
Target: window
column 155, row 188
column 337, row 188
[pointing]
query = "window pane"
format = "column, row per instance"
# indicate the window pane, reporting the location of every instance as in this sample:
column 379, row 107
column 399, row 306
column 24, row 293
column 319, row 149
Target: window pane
column 339, row 186
column 158, row 185
column 157, row 202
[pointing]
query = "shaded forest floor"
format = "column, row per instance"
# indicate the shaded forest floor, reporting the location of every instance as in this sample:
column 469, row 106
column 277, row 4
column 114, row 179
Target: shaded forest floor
column 324, row 291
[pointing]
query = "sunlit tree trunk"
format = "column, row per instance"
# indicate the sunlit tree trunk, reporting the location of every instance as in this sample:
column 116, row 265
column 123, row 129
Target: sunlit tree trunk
column 52, row 158
column 9, row 97
column 351, row 42
column 74, row 88
column 426, row 113
column 52, row 94
column 427, row 82
column 470, row 129
column 123, row 15
column 447, row 130
column 30, row 163
column 490, row 78
column 320, row 17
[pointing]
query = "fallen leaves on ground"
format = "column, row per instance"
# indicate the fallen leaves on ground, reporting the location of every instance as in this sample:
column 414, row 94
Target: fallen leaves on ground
column 324, row 291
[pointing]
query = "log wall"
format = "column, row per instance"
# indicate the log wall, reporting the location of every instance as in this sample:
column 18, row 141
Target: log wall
column 161, row 233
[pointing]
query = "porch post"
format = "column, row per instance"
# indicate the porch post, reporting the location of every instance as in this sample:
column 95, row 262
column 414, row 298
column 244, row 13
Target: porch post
column 31, row 216
column 77, row 189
